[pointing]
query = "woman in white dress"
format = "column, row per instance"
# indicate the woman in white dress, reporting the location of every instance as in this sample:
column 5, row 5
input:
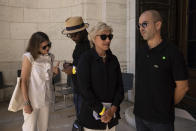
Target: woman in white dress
column 36, row 82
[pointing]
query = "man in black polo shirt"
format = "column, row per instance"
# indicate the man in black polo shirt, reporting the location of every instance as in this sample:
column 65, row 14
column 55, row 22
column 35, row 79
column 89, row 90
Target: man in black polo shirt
column 76, row 30
column 161, row 77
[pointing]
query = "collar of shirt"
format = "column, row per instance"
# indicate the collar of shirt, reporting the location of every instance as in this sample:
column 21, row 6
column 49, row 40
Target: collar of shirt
column 158, row 48
column 98, row 58
column 83, row 43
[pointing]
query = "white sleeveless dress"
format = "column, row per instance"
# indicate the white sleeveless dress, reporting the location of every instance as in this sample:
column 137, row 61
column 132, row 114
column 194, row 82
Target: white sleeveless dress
column 40, row 80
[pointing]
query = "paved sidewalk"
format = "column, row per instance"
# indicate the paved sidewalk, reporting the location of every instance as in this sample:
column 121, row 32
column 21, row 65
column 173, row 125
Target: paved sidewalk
column 61, row 120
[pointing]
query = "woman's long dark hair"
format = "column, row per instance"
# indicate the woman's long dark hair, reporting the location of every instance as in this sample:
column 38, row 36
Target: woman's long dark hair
column 34, row 43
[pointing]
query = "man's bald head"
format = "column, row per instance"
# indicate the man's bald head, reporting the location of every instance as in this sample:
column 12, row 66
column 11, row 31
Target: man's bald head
column 150, row 23
column 154, row 14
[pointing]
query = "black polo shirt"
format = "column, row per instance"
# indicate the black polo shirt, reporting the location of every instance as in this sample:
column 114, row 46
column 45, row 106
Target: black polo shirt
column 157, row 70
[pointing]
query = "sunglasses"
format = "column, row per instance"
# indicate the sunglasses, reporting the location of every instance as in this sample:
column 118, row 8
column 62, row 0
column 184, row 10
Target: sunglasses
column 72, row 35
column 143, row 25
column 48, row 45
column 104, row 37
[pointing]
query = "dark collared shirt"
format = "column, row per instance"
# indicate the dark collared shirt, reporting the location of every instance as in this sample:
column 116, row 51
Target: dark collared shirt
column 80, row 48
column 157, row 70
column 99, row 82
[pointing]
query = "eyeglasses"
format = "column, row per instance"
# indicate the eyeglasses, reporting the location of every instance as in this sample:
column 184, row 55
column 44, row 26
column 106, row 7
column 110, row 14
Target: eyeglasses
column 48, row 45
column 143, row 25
column 104, row 37
column 72, row 35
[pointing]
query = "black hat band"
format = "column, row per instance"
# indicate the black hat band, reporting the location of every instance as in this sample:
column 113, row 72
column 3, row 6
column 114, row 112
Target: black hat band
column 75, row 27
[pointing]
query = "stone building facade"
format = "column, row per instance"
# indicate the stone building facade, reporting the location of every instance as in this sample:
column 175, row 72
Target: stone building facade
column 20, row 18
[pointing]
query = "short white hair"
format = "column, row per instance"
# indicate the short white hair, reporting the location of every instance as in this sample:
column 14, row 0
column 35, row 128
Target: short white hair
column 99, row 27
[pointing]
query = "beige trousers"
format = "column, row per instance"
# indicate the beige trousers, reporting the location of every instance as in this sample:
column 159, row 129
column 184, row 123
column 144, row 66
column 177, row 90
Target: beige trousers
column 107, row 129
column 37, row 120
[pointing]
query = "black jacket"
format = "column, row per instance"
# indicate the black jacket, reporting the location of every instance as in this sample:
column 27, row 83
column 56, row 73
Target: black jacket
column 80, row 48
column 99, row 82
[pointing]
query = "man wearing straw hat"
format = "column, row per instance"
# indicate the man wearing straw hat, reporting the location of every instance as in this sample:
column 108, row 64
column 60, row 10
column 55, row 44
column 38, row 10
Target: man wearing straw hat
column 75, row 29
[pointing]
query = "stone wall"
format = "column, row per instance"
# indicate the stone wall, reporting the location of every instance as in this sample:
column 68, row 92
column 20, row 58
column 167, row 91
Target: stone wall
column 20, row 18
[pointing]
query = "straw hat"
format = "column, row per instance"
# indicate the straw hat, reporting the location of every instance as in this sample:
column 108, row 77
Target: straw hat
column 74, row 24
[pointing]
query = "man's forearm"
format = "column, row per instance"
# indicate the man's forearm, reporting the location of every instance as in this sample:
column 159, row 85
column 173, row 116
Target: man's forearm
column 180, row 90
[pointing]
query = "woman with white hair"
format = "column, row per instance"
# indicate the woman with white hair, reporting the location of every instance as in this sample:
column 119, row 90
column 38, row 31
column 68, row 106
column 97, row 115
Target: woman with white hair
column 100, row 82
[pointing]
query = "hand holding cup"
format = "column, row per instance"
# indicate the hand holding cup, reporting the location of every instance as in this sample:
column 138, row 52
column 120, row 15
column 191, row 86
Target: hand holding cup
column 66, row 64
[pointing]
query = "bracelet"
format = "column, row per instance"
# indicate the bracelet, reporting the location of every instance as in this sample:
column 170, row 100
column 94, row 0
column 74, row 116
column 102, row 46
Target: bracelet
column 27, row 103
column 102, row 112
column 74, row 70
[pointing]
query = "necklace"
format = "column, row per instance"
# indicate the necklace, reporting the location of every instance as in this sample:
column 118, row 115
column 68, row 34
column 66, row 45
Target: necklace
column 104, row 56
